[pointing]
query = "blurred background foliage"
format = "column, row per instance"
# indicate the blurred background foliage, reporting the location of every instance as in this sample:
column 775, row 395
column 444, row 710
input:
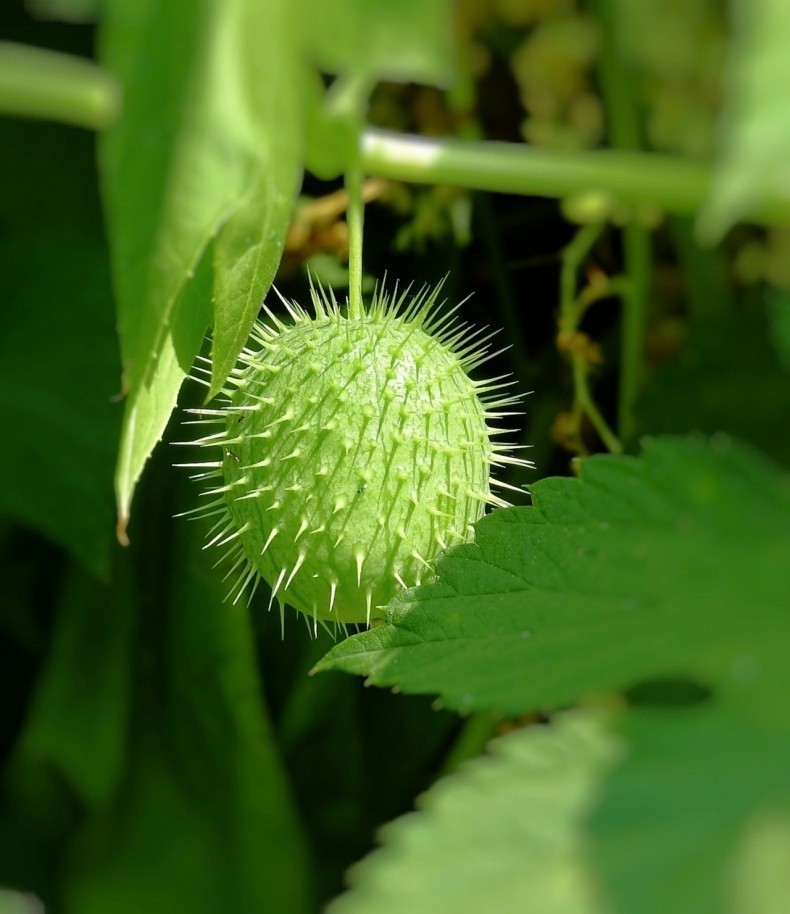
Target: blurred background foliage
column 162, row 750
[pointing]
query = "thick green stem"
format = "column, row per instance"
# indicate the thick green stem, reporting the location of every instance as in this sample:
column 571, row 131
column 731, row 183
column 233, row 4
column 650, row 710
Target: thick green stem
column 46, row 84
column 356, row 218
column 674, row 184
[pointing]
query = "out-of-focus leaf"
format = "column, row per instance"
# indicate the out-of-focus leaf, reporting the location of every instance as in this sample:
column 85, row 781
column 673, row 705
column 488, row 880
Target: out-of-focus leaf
column 755, row 136
column 208, row 146
column 760, row 880
column 672, row 815
column 58, row 356
column 78, row 724
column 204, row 821
column 641, row 567
column 404, row 41
column 728, row 379
column 779, row 318
column 503, row 834
column 365, row 41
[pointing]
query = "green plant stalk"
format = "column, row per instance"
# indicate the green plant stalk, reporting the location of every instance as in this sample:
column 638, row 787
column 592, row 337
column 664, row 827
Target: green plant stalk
column 624, row 133
column 572, row 309
column 356, row 217
column 44, row 84
column 675, row 184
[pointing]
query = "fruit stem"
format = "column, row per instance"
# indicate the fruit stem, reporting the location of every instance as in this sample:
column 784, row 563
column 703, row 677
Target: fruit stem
column 356, row 217
column 675, row 184
column 47, row 84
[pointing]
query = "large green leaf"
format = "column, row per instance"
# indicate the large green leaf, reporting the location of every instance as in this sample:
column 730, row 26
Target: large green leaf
column 208, row 146
column 504, row 834
column 58, row 356
column 203, row 821
column 78, row 724
column 640, row 567
column 755, row 135
column 673, row 815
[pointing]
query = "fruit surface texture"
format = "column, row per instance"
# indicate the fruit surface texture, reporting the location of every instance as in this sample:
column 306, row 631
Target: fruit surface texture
column 351, row 451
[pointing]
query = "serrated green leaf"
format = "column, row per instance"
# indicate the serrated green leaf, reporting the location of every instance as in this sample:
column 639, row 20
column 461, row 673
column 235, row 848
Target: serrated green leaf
column 673, row 814
column 58, row 361
column 755, row 137
column 641, row 567
column 504, row 834
column 211, row 111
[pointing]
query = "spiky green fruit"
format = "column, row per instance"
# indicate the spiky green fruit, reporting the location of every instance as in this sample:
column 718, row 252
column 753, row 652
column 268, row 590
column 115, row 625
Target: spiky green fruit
column 351, row 451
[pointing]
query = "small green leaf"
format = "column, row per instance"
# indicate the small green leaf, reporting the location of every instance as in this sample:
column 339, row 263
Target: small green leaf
column 504, row 834
column 211, row 111
column 149, row 407
column 641, row 567
column 755, row 137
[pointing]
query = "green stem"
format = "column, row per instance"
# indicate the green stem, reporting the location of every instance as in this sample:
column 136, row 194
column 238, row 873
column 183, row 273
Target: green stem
column 573, row 257
column 46, row 84
column 572, row 309
column 356, row 218
column 674, row 184
column 622, row 113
